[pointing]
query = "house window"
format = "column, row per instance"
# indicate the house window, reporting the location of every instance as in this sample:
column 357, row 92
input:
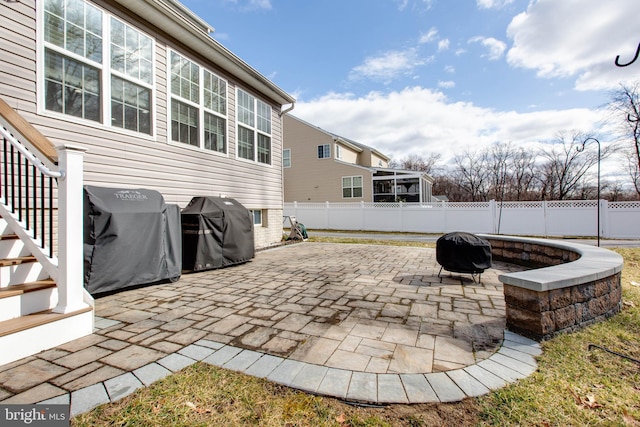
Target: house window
column 257, row 216
column 86, row 56
column 198, row 105
column 254, row 128
column 338, row 152
column 286, row 158
column 131, row 79
column 351, row 186
column 324, row 151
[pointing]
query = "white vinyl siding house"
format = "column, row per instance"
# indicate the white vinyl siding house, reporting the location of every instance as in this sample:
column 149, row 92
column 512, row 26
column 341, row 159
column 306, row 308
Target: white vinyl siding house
column 152, row 97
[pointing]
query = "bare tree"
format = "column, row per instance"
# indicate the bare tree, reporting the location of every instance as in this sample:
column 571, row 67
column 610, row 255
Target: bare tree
column 471, row 173
column 415, row 162
column 523, row 172
column 633, row 168
column 625, row 104
column 565, row 168
column 497, row 157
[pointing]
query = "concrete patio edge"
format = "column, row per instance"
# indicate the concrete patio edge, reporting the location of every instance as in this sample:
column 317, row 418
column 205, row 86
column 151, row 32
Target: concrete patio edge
column 515, row 360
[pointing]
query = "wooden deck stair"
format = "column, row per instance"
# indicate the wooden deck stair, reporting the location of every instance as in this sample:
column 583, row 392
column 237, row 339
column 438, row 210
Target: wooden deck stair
column 28, row 323
column 33, row 320
column 15, row 290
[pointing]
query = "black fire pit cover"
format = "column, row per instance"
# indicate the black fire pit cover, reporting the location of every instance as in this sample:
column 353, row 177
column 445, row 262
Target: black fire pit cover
column 461, row 252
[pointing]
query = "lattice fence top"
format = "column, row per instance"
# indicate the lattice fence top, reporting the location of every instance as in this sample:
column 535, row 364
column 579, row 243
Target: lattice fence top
column 467, row 205
column 624, row 205
column 572, row 204
column 521, row 205
column 473, row 205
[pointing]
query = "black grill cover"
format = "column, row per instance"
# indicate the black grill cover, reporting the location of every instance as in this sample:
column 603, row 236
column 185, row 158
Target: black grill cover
column 131, row 237
column 216, row 232
column 461, row 252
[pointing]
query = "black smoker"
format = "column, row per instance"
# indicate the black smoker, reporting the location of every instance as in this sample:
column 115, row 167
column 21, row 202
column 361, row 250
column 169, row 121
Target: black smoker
column 464, row 253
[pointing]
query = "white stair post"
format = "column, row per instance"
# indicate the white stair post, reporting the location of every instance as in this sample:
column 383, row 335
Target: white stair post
column 70, row 231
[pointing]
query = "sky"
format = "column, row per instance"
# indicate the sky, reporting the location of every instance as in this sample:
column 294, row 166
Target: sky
column 439, row 76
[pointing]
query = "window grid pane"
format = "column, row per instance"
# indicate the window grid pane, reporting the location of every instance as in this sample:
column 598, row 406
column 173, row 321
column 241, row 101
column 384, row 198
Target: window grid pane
column 131, row 52
column 75, row 26
column 286, row 158
column 184, row 78
column 184, row 123
column 215, row 93
column 215, row 133
column 130, row 106
column 245, row 143
column 72, row 87
column 264, row 117
column 264, row 149
column 246, row 108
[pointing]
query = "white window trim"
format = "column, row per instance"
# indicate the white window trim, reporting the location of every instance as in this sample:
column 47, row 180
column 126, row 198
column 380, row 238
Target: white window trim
column 290, row 161
column 352, row 187
column 338, row 152
column 201, row 108
column 105, row 123
column 253, row 217
column 323, row 156
column 255, row 129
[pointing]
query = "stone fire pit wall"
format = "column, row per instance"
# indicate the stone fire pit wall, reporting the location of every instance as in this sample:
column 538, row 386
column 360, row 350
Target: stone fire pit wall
column 568, row 286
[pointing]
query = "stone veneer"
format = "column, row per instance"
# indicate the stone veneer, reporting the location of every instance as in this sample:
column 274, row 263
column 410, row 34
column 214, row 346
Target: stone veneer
column 568, row 287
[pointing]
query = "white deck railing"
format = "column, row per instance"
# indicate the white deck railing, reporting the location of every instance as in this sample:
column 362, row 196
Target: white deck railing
column 28, row 200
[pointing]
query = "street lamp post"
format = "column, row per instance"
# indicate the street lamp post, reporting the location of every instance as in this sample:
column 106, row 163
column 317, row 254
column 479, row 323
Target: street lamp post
column 581, row 148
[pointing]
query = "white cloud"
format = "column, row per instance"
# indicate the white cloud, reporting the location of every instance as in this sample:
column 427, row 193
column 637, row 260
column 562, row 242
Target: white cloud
column 416, row 5
column 422, row 121
column 443, row 45
column 447, row 84
column 402, row 4
column 492, row 4
column 430, row 36
column 450, row 69
column 250, row 5
column 577, row 39
column 388, row 66
column 495, row 47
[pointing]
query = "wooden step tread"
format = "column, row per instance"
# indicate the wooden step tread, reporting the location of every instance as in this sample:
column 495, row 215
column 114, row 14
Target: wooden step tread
column 23, row 288
column 17, row 261
column 9, row 237
column 29, row 321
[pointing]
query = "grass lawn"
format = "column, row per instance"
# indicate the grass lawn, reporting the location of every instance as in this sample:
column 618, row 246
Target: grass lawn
column 576, row 385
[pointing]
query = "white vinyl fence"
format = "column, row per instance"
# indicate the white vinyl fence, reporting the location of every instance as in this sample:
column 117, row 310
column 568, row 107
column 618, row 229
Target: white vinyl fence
column 618, row 220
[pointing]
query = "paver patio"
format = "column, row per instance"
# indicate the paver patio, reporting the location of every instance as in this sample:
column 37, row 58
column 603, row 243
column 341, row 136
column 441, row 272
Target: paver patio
column 335, row 317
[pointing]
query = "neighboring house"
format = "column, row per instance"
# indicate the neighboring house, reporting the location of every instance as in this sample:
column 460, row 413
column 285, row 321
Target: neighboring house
column 320, row 166
column 156, row 102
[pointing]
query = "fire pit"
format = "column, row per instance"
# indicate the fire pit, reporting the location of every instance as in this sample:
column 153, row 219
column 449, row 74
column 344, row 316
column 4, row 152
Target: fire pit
column 464, row 253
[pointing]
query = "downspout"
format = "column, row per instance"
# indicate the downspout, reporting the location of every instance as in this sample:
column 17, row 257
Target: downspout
column 283, row 112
